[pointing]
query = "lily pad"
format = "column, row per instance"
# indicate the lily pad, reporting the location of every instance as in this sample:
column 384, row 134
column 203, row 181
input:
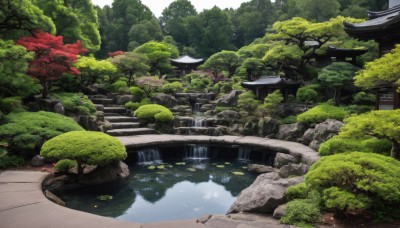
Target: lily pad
column 151, row 167
column 238, row 173
column 180, row 163
column 191, row 169
column 162, row 173
column 244, row 167
column 220, row 166
column 161, row 167
column 227, row 163
column 105, row 197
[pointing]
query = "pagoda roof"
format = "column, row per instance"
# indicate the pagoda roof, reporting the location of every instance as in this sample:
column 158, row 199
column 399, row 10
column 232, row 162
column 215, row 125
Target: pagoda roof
column 378, row 24
column 347, row 51
column 376, row 14
column 187, row 60
column 268, row 80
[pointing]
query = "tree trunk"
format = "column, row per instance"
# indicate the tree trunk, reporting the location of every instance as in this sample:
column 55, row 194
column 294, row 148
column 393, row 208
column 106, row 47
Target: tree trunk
column 80, row 169
column 336, row 96
column 395, row 149
column 45, row 90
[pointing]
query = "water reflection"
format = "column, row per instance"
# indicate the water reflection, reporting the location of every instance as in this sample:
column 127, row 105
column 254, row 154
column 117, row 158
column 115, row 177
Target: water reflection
column 174, row 191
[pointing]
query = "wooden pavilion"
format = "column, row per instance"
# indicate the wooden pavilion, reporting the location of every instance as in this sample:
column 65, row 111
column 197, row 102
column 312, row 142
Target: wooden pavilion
column 268, row 84
column 335, row 54
column 186, row 64
column 384, row 28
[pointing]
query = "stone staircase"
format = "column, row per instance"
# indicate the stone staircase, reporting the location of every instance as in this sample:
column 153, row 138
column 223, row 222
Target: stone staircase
column 118, row 118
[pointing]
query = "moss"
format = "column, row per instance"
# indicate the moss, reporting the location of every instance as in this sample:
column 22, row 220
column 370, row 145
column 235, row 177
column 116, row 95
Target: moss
column 322, row 112
column 25, row 131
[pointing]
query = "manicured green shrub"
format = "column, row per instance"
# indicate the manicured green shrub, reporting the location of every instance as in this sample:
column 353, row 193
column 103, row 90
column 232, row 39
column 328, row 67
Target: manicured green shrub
column 271, row 103
column 363, row 98
column 26, row 131
column 359, row 109
column 7, row 160
column 119, row 86
column 153, row 113
column 137, row 93
column 338, row 144
column 307, row 94
column 135, row 105
column 85, row 147
column 296, row 192
column 247, row 102
column 356, row 182
column 300, row 212
column 64, row 165
column 288, row 120
column 11, row 104
column 76, row 103
column 322, row 112
column 171, row 88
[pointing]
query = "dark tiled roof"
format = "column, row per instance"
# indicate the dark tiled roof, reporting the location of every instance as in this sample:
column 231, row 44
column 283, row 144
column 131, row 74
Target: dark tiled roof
column 376, row 14
column 377, row 24
column 332, row 49
column 264, row 80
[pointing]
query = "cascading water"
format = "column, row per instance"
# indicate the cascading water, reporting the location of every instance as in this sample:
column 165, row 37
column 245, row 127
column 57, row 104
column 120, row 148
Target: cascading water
column 198, row 122
column 149, row 156
column 197, row 153
column 244, row 154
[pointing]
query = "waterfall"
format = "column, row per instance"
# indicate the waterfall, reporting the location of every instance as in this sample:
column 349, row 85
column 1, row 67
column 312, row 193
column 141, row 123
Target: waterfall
column 197, row 153
column 149, row 156
column 196, row 107
column 244, row 154
column 198, row 122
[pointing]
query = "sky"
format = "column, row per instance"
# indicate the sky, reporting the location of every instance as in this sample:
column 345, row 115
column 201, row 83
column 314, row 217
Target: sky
column 157, row 6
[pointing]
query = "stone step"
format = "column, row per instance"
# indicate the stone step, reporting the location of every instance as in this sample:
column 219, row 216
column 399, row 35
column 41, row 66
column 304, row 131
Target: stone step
column 124, row 125
column 115, row 109
column 97, row 96
column 118, row 119
column 103, row 101
column 131, row 131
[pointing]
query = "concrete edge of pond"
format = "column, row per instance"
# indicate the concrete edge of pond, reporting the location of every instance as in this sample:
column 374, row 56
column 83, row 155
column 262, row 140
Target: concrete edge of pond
column 308, row 155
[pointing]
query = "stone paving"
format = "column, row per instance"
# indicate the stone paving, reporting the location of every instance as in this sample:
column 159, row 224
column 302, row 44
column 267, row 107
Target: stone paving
column 22, row 203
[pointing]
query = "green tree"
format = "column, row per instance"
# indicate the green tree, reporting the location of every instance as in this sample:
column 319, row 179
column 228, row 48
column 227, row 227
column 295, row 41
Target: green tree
column 146, row 30
column 382, row 71
column 319, row 10
column 14, row 61
column 85, row 147
column 173, row 20
column 131, row 64
column 382, row 124
column 224, row 60
column 254, row 67
column 75, row 20
column 21, row 18
column 271, row 103
column 173, row 87
column 91, row 69
column 149, row 84
column 307, row 94
column 159, row 55
column 247, row 101
column 336, row 76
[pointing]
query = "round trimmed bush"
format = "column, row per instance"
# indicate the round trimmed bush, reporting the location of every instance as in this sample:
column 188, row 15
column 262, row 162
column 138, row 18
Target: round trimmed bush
column 322, row 112
column 154, row 113
column 64, row 165
column 172, row 87
column 26, row 131
column 137, row 93
column 85, row 147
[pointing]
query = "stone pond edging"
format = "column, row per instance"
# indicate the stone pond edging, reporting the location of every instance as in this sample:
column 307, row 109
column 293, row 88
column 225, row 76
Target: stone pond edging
column 308, row 156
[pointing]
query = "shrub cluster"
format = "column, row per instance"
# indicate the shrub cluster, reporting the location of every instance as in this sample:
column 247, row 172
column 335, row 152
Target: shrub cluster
column 171, row 88
column 64, row 165
column 153, row 113
column 137, row 93
column 322, row 112
column 135, row 105
column 26, row 131
column 76, row 103
column 339, row 144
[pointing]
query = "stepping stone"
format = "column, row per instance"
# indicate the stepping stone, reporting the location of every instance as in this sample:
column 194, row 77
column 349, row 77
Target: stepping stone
column 103, row 101
column 118, row 119
column 116, row 109
column 131, row 131
column 122, row 125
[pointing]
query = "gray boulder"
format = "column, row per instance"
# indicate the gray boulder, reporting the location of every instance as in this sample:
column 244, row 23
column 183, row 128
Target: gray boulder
column 123, row 99
column 111, row 172
column 228, row 114
column 261, row 168
column 267, row 126
column 307, row 137
column 264, row 195
column 282, row 159
column 325, row 131
column 293, row 170
column 165, row 100
column 279, row 212
column 37, row 161
column 230, row 99
column 59, row 108
column 291, row 132
column 54, row 198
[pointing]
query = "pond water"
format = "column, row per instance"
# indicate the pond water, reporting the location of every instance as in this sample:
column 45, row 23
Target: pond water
column 168, row 191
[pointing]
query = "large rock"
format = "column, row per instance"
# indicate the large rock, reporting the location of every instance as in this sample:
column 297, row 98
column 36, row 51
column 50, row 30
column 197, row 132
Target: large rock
column 123, row 99
column 37, row 161
column 282, row 159
column 59, row 108
column 279, row 212
column 54, row 198
column 108, row 173
column 267, row 126
column 325, row 131
column 293, row 170
column 307, row 137
column 230, row 99
column 165, row 100
column 264, row 195
column 227, row 117
column 291, row 132
column 261, row 168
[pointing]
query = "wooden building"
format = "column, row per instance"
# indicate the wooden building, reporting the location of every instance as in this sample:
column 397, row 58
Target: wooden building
column 186, row 64
column 334, row 54
column 384, row 28
column 268, row 84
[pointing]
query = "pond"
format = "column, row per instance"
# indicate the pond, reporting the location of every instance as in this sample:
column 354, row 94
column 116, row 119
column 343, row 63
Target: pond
column 169, row 189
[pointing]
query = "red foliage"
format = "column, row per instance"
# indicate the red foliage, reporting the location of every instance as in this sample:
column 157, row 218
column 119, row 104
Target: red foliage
column 115, row 53
column 52, row 57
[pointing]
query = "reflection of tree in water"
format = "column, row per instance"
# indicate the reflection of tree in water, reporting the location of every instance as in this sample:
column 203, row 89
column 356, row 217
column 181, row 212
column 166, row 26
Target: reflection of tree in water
column 123, row 198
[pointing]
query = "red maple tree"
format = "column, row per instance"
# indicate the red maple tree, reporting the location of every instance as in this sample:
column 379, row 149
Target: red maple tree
column 52, row 58
column 115, row 53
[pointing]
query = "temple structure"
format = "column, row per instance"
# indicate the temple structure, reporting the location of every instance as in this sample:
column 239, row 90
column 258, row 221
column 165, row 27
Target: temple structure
column 268, row 84
column 334, row 54
column 384, row 28
column 186, row 64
